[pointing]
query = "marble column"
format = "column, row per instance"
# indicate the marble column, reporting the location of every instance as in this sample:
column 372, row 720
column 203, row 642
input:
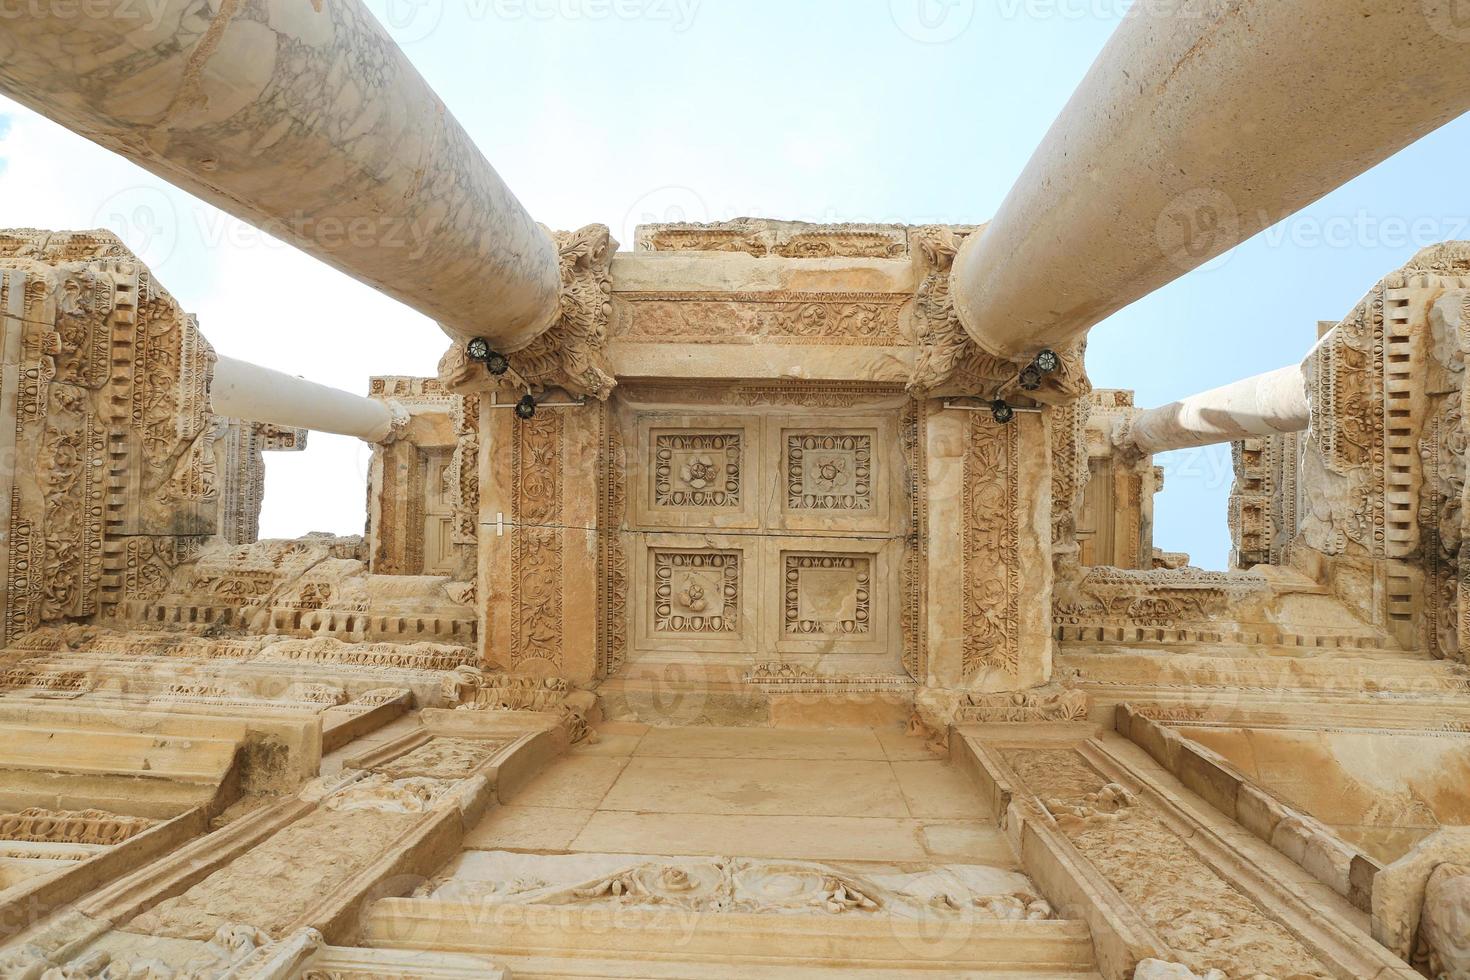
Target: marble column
column 306, row 120
column 241, row 390
column 1265, row 405
column 1202, row 123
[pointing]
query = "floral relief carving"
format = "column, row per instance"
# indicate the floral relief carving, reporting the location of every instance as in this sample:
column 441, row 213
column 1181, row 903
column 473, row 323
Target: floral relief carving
column 990, row 576
column 696, row 592
column 536, row 541
column 697, row 469
column 570, row 353
column 829, row 471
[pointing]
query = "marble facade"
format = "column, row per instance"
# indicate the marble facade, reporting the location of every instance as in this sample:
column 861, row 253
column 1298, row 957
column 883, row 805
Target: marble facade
column 762, row 647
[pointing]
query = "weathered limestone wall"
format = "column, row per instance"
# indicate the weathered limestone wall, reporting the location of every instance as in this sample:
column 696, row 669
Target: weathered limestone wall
column 1370, row 499
column 729, row 339
column 241, row 464
column 110, row 467
column 423, row 487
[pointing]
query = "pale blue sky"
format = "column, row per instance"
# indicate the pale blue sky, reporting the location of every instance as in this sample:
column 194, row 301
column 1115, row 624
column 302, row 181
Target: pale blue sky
column 621, row 111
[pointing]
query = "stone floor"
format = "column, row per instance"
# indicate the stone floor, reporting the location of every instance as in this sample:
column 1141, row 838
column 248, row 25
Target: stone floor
column 850, row 795
column 871, row 802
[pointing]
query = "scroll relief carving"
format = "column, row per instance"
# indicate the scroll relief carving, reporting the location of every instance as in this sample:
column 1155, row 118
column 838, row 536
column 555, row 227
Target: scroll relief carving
column 724, row 886
column 537, row 627
column 990, row 573
column 1204, row 919
column 570, row 354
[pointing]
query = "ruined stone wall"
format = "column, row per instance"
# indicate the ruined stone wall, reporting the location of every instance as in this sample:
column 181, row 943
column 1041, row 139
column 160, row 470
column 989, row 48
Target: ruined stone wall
column 442, row 425
column 241, row 449
column 1370, row 499
column 110, row 472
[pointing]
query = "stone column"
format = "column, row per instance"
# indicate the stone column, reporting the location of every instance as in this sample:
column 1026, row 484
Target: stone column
column 1197, row 127
column 1265, row 405
column 241, row 390
column 307, row 121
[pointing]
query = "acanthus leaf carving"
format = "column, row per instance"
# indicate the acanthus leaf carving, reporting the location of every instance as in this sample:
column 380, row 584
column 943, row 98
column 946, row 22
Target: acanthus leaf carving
column 570, row 354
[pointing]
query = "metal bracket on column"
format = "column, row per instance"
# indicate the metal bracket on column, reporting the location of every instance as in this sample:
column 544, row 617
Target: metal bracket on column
column 957, row 407
column 495, row 402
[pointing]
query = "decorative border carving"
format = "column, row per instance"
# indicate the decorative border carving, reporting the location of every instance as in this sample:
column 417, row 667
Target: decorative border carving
column 990, row 533
column 612, row 558
column 868, row 319
column 537, row 626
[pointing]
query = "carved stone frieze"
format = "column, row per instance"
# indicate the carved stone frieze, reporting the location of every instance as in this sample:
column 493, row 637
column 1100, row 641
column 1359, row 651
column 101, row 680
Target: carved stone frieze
column 784, row 317
column 537, row 628
column 990, row 532
column 111, row 432
column 722, row 886
column 1198, row 913
column 70, row 826
column 761, row 237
